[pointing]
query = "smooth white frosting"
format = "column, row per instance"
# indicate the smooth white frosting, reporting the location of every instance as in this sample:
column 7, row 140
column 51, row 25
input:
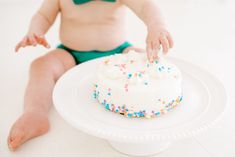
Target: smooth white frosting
column 131, row 80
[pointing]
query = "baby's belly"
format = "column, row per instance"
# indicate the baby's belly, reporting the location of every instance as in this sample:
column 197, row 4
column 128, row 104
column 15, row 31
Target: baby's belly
column 92, row 36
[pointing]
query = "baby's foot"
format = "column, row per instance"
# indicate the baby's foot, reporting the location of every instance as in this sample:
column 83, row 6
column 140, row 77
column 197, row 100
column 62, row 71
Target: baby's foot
column 29, row 125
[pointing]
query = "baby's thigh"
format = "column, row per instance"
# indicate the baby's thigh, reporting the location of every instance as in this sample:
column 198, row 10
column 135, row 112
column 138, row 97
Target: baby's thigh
column 55, row 62
column 62, row 57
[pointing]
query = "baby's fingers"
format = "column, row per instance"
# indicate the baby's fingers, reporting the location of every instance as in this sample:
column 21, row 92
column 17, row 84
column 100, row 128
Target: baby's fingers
column 170, row 40
column 156, row 48
column 18, row 46
column 165, row 43
column 32, row 41
column 149, row 51
column 41, row 40
column 23, row 43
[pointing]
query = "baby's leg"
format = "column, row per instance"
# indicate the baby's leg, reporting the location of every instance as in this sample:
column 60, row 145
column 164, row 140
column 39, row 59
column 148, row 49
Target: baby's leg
column 44, row 73
column 133, row 48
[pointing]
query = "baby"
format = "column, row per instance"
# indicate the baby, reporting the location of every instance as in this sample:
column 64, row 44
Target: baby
column 89, row 29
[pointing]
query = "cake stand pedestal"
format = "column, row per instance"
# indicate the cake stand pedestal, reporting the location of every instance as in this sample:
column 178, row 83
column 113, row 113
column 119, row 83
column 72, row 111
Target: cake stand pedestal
column 204, row 100
column 140, row 149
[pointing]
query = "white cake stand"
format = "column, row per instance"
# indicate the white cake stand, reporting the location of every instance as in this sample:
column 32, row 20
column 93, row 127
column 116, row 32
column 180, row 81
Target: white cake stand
column 204, row 101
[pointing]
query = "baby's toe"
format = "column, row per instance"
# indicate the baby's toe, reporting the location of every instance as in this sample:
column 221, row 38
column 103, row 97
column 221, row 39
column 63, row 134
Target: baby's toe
column 15, row 139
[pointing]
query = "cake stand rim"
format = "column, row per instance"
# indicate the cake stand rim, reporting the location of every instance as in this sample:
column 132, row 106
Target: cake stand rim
column 143, row 138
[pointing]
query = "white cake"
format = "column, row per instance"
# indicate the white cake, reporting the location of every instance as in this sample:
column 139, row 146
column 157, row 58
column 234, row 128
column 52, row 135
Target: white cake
column 130, row 85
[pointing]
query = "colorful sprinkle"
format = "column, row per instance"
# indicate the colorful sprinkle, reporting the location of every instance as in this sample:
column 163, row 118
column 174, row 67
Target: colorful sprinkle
column 126, row 87
column 142, row 113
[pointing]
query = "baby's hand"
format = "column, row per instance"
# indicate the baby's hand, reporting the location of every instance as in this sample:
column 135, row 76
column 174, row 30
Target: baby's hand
column 156, row 39
column 32, row 40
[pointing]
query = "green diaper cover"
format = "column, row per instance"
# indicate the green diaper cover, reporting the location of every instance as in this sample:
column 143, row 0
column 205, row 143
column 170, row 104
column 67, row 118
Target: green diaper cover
column 79, row 2
column 82, row 56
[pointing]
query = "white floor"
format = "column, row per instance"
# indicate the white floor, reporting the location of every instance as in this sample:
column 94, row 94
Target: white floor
column 204, row 34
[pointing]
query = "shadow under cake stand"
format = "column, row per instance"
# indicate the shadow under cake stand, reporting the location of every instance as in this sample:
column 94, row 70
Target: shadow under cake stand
column 204, row 100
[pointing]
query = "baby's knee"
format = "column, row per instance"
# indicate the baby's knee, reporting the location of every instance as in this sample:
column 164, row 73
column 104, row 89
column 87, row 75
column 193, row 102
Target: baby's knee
column 39, row 63
column 46, row 65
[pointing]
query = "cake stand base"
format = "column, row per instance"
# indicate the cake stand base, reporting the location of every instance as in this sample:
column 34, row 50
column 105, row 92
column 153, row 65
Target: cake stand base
column 140, row 149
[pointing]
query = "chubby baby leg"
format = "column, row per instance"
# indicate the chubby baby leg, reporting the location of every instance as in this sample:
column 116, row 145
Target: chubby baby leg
column 44, row 72
column 133, row 48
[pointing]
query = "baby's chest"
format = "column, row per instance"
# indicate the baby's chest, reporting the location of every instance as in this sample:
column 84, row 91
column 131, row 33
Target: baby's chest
column 90, row 11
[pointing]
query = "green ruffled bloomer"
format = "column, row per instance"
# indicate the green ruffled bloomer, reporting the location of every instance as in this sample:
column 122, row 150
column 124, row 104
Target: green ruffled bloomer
column 82, row 56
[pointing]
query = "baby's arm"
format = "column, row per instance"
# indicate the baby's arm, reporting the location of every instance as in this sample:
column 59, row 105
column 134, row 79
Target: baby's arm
column 149, row 13
column 40, row 24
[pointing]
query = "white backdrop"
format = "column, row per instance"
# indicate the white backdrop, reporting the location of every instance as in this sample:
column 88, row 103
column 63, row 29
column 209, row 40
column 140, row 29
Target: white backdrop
column 203, row 35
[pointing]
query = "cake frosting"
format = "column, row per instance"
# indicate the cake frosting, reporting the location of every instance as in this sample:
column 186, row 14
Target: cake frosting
column 130, row 85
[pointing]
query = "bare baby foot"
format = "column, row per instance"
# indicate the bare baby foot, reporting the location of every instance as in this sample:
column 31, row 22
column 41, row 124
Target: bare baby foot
column 29, row 125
